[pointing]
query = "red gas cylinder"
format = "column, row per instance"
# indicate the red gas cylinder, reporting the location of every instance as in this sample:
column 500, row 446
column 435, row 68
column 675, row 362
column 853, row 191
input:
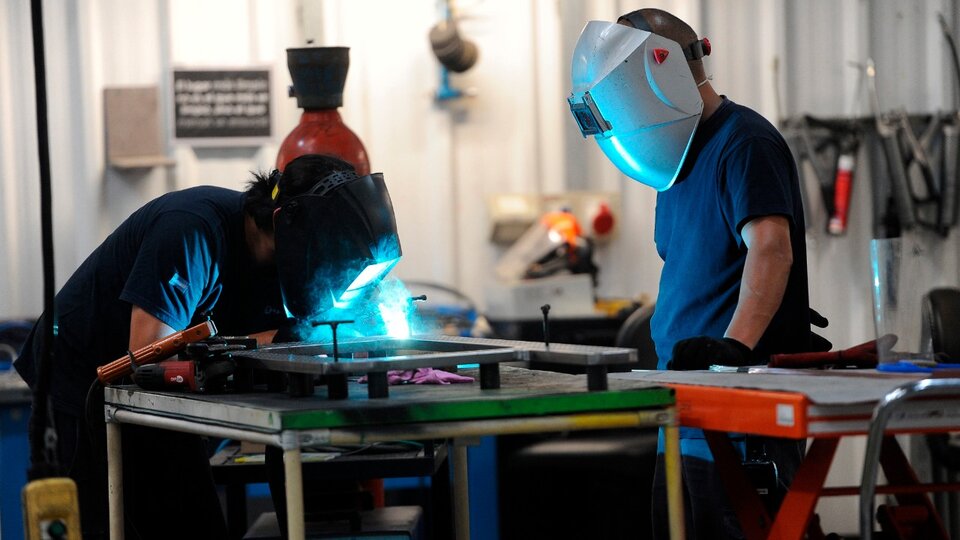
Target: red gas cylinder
column 319, row 74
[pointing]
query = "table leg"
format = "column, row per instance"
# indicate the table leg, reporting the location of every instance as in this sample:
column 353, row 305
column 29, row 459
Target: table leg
column 793, row 518
column 899, row 472
column 293, row 480
column 461, row 491
column 742, row 495
column 671, row 436
column 115, row 480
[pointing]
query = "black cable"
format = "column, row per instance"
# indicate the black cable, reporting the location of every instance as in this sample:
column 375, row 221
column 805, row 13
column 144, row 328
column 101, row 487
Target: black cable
column 948, row 35
column 93, row 414
column 43, row 443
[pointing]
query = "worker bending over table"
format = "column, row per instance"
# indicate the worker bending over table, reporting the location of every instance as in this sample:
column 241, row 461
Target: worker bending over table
column 289, row 245
column 729, row 228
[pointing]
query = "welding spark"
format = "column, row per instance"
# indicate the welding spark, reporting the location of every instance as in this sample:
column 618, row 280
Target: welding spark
column 395, row 321
column 389, row 311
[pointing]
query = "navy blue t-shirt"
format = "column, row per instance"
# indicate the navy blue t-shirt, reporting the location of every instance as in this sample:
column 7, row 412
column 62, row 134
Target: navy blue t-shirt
column 178, row 257
column 738, row 168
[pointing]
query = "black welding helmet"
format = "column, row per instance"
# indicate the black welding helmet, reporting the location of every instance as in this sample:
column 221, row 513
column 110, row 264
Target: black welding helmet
column 334, row 242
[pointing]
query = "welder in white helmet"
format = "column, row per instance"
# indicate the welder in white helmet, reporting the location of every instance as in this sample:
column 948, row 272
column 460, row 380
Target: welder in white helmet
column 729, row 226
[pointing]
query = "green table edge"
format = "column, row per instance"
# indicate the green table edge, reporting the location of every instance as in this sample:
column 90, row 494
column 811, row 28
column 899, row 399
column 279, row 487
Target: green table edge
column 591, row 402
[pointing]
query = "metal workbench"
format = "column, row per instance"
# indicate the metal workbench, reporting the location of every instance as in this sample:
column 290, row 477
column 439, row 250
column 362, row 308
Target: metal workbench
column 821, row 405
column 526, row 401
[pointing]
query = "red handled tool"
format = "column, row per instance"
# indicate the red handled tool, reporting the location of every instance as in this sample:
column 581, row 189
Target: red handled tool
column 858, row 356
column 154, row 352
column 204, row 366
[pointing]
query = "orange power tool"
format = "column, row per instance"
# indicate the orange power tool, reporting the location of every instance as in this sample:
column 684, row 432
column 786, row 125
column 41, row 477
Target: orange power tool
column 155, row 352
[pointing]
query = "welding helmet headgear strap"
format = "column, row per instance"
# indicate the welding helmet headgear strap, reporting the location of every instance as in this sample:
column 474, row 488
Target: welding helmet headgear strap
column 694, row 51
column 634, row 93
column 326, row 238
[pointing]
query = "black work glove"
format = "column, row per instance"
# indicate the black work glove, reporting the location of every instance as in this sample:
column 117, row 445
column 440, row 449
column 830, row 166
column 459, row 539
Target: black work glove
column 702, row 352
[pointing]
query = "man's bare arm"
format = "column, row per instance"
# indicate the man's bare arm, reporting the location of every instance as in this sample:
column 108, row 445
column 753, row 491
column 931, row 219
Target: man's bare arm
column 764, row 281
column 145, row 328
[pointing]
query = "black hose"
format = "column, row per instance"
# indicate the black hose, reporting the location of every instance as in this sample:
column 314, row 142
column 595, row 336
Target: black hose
column 43, row 442
column 948, row 35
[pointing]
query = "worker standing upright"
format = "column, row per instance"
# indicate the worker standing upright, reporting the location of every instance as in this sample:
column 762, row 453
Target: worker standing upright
column 729, row 225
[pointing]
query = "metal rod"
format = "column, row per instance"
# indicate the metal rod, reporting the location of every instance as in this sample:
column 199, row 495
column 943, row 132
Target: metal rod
column 933, row 487
column 545, row 309
column 437, row 430
column 671, row 436
column 187, row 426
column 293, row 482
column 882, row 414
column 333, row 330
column 478, row 428
column 461, row 491
column 115, row 480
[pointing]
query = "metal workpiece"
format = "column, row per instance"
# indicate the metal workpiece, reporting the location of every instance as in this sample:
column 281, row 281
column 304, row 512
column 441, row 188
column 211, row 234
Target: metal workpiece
column 375, row 356
column 362, row 355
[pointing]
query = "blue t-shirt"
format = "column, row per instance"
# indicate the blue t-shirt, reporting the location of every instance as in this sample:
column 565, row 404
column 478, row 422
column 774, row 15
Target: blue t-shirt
column 179, row 257
column 738, row 168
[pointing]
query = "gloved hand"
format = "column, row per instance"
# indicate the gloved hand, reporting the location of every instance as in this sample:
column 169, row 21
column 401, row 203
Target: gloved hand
column 702, row 352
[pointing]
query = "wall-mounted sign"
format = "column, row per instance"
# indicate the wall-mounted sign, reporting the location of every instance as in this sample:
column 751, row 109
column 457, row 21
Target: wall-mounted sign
column 222, row 106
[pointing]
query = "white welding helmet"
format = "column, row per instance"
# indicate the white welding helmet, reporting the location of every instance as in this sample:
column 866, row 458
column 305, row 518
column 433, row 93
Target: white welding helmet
column 633, row 91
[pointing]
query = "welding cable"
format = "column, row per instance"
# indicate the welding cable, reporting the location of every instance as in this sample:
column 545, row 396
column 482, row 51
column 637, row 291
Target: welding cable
column 93, row 413
column 43, row 434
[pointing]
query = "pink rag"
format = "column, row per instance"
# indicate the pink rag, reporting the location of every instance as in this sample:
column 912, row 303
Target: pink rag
column 422, row 376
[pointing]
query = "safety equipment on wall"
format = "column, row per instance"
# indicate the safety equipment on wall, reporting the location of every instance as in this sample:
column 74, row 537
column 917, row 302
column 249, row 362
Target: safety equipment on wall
column 553, row 245
column 334, row 243
column 634, row 92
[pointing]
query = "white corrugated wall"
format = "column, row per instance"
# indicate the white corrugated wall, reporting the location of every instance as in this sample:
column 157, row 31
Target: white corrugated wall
column 442, row 161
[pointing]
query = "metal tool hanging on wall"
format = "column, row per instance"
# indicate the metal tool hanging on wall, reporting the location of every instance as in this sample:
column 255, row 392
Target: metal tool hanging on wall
column 830, row 146
column 922, row 168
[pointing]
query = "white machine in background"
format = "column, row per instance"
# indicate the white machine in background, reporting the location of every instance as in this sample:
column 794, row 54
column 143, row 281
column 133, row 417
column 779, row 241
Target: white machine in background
column 551, row 263
column 569, row 296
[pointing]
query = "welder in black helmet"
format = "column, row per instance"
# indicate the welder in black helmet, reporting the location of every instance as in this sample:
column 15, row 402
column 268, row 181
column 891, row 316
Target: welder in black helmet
column 293, row 244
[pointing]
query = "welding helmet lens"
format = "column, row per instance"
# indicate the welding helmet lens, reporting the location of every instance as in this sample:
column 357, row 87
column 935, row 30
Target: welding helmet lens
column 335, row 242
column 587, row 115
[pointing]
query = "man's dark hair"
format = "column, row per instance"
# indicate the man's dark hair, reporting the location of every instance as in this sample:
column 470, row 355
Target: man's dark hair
column 669, row 26
column 297, row 178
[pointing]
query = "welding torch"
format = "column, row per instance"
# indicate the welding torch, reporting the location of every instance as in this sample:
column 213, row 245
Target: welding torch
column 154, row 352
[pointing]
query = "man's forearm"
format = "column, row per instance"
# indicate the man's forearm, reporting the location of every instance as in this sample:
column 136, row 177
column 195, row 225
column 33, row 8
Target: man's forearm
column 764, row 280
column 145, row 328
column 761, row 292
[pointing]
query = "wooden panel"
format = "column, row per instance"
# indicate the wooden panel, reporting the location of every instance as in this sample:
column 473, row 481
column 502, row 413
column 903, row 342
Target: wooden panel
column 132, row 123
